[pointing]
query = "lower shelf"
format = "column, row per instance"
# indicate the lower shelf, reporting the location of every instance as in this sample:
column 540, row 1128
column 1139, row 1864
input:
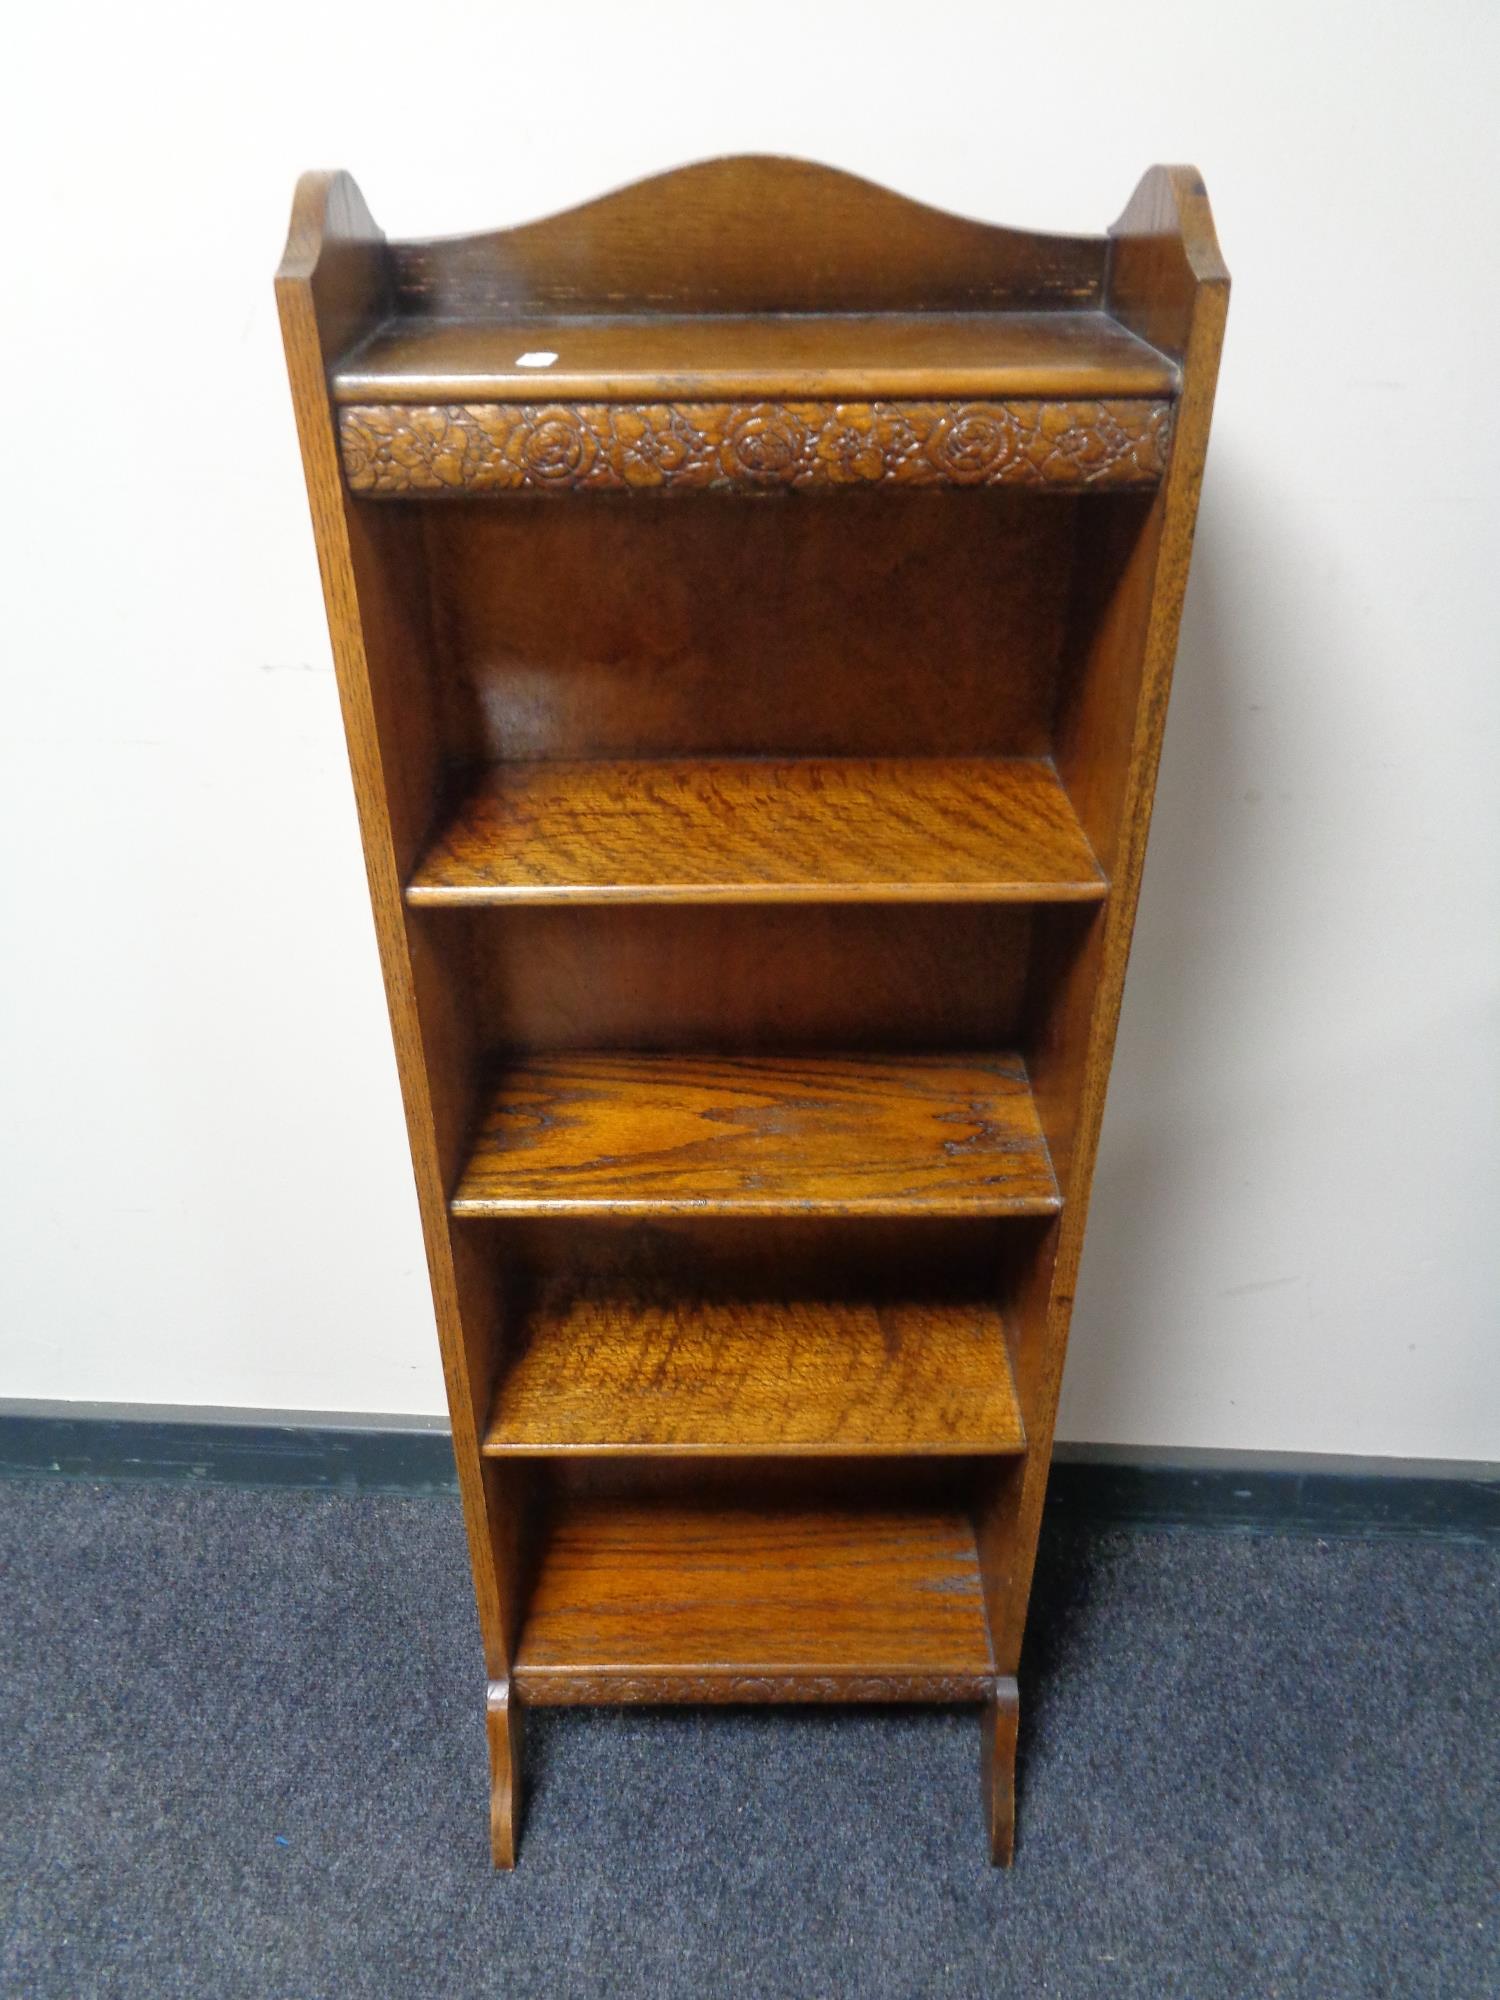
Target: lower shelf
column 682, row 1601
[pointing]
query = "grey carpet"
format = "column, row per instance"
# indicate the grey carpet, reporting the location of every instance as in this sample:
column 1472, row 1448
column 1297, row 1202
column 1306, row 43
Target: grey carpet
column 243, row 1755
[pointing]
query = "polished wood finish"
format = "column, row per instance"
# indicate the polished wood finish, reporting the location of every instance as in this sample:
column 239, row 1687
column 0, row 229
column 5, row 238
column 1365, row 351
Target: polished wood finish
column 711, row 1601
column 601, row 1371
column 332, row 281
column 1167, row 281
column 931, row 628
column 914, row 829
column 848, row 356
column 770, row 1135
column 754, row 714
column 997, row 1748
column 731, row 978
column 938, row 1262
column 751, row 234
column 503, row 1732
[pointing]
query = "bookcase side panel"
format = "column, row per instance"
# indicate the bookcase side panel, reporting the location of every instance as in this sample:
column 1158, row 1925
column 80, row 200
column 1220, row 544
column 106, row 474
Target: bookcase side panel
column 1110, row 731
column 332, row 281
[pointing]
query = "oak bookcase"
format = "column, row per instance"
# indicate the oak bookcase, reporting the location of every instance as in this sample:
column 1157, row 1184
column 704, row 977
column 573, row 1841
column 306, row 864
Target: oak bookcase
column 754, row 598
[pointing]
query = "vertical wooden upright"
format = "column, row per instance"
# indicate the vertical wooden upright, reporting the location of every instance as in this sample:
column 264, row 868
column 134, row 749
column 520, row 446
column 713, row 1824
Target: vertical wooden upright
column 754, row 598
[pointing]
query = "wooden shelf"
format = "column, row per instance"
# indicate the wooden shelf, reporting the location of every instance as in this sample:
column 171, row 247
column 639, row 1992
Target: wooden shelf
column 411, row 359
column 599, row 1372
column 770, row 1135
column 907, row 829
column 672, row 1600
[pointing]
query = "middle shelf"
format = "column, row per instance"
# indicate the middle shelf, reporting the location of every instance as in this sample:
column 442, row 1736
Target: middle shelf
column 629, row 1134
column 815, row 829
column 613, row 1372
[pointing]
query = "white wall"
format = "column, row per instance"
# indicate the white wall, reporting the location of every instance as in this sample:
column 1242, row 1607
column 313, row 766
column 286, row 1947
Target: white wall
column 1295, row 1228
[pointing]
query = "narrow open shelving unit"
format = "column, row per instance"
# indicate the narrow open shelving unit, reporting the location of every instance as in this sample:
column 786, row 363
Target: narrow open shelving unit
column 754, row 598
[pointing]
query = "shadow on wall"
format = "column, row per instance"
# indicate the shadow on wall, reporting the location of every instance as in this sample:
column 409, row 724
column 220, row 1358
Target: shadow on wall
column 1157, row 1133
column 1291, row 1239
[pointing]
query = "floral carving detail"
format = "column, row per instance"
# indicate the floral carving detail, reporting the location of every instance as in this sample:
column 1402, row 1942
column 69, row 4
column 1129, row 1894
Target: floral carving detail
column 395, row 450
column 765, row 445
column 556, row 448
column 651, row 454
column 849, row 448
column 973, row 445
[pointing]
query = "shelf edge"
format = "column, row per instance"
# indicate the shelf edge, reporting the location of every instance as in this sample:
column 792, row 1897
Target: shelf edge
column 610, row 1686
column 433, row 896
column 477, row 1208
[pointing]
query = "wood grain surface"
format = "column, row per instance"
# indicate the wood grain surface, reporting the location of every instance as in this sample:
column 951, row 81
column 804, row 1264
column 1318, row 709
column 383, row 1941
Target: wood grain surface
column 1167, row 281
column 911, row 829
column 605, row 1372
column 841, row 1135
column 869, row 628
column 997, row 1765
column 333, row 281
column 739, row 978
column 834, row 1258
column 502, row 1716
column 645, row 357
column 751, row 233
column 662, row 1601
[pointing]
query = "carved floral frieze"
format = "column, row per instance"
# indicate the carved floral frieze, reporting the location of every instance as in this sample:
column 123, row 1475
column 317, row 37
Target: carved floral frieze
column 399, row 450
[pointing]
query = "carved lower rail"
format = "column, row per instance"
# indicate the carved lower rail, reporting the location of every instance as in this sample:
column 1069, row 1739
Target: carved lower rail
column 600, row 1687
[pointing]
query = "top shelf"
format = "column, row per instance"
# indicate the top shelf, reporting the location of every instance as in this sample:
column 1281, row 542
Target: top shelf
column 710, row 357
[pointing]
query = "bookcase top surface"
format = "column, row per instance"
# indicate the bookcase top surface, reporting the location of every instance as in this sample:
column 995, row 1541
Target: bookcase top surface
column 708, row 357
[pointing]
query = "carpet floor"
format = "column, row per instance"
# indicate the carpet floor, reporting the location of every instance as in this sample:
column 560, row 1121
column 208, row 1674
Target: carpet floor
column 243, row 1754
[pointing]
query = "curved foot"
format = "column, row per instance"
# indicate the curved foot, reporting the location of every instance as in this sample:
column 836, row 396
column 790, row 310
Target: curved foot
column 503, row 1726
column 998, row 1764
